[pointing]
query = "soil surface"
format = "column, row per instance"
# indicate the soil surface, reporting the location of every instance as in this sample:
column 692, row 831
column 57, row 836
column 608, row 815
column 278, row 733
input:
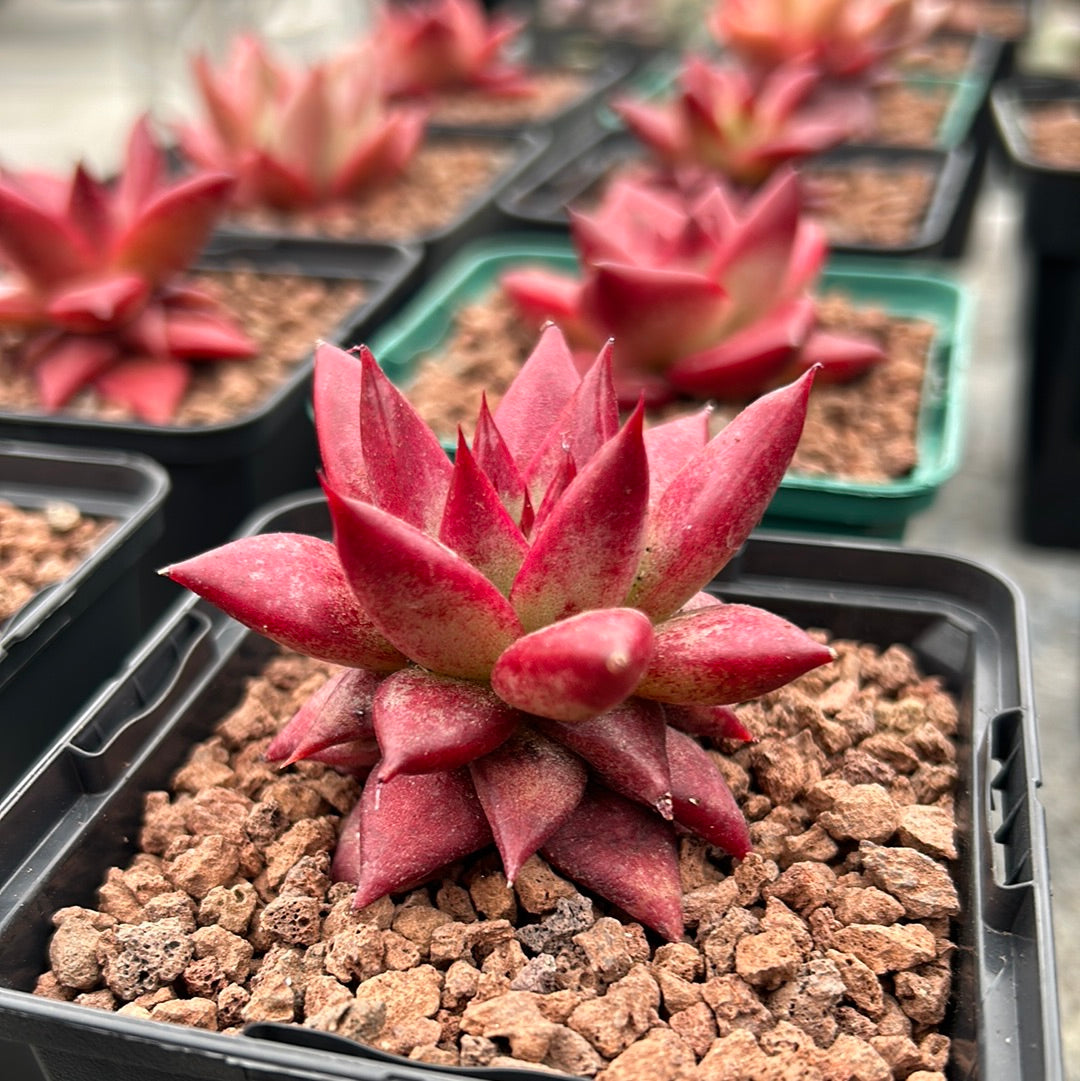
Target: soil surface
column 1053, row 133
column 908, row 115
column 864, row 430
column 947, row 56
column 824, row 954
column 284, row 314
column 552, row 91
column 1005, row 19
column 436, row 187
column 40, row 547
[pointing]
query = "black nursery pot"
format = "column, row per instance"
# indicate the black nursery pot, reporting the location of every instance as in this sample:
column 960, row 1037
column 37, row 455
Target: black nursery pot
column 75, row 815
column 220, row 473
column 57, row 648
column 541, row 197
column 1051, row 194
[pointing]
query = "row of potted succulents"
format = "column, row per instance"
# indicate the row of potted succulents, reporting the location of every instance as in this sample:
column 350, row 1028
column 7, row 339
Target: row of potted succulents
column 568, row 588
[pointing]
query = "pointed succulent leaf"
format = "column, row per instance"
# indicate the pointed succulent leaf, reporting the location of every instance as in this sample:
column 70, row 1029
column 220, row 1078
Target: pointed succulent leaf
column 626, row 854
column 669, row 446
column 586, row 552
column 656, row 126
column 143, row 172
column 42, row 244
column 625, row 748
column 528, row 786
column 89, row 209
column 842, row 357
column 407, row 468
column 291, row 588
column 713, row 723
column 336, row 398
column 354, row 757
column 541, row 295
column 151, row 387
column 339, row 713
column 544, row 385
column 437, row 609
column 577, row 668
column 106, row 301
column 712, row 504
column 398, row 846
column 549, row 499
column 427, row 723
column 477, row 526
column 494, row 458
column 195, row 334
column 727, row 653
column 381, row 157
column 701, row 798
column 70, row 363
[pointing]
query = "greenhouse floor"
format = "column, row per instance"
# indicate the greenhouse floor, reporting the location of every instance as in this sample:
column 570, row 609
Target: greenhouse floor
column 70, row 83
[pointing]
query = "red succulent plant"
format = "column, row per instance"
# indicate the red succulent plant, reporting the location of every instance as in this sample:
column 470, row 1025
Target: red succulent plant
column 92, row 281
column 743, row 125
column 707, row 295
column 440, row 45
column 525, row 640
column 845, row 38
column 299, row 137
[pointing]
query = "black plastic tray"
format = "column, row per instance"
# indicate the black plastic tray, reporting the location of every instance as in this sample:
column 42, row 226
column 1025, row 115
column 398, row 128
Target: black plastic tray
column 479, row 216
column 540, row 199
column 71, row 636
column 72, row 815
column 1051, row 195
column 220, row 473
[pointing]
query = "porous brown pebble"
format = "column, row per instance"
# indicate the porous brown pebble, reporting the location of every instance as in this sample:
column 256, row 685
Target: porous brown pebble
column 825, row 955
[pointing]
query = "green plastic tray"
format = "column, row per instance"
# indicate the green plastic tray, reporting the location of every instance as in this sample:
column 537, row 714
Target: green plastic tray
column 804, row 503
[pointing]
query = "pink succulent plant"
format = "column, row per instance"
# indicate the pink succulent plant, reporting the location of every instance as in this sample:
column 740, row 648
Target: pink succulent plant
column 440, row 45
column 93, row 281
column 708, row 297
column 525, row 640
column 299, row 137
column 845, row 38
column 743, row 126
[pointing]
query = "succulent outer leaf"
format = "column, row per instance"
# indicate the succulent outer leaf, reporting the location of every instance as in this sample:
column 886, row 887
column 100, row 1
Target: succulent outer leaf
column 89, row 209
column 266, row 179
column 226, row 118
column 546, row 382
column 842, row 357
column 355, row 757
column 143, row 171
column 106, row 302
column 713, row 723
column 658, row 127
column 750, row 358
column 727, row 653
column 196, row 334
column 397, row 840
column 43, row 245
column 494, row 458
column 625, row 748
column 709, row 508
column 527, row 787
column 20, row 306
column 624, row 853
column 151, row 387
column 669, row 446
column 701, row 799
column 427, row 723
column 542, row 295
column 655, row 314
column 577, row 668
column 336, row 397
column 808, row 253
column 432, row 605
column 407, row 468
column 291, row 588
column 549, row 500
column 585, row 554
column 383, row 155
column 339, row 713
column 303, row 129
column 478, row 527
column 70, row 363
column 588, row 420
column 170, row 230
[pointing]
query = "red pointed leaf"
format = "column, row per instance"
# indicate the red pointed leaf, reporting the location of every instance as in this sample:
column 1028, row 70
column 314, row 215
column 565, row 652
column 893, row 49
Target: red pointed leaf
column 713, row 723
column 427, row 723
column 336, row 397
column 69, row 364
column 89, row 210
column 549, row 500
column 151, row 387
column 494, row 458
column 711, row 506
column 477, row 525
column 436, row 608
column 577, row 668
column 624, row 853
column 42, row 244
column 205, row 335
column 103, row 303
column 625, row 748
column 291, row 588
column 701, row 798
column 399, row 846
column 727, row 653
column 407, row 467
column 542, row 295
column 670, row 446
column 143, row 170
column 586, row 552
column 842, row 357
column 528, row 787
